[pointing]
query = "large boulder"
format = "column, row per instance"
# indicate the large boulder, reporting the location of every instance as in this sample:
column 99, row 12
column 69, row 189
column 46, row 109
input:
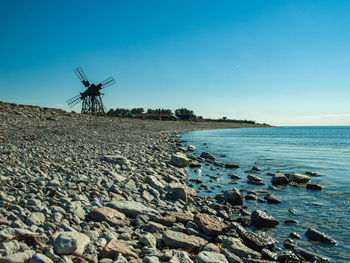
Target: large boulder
column 279, row 179
column 132, row 208
column 175, row 239
column 66, row 243
column 262, row 219
column 315, row 235
column 257, row 241
column 179, row 160
column 298, row 178
column 210, row 257
column 114, row 247
column 110, row 215
column 233, row 196
column 236, row 246
column 210, row 225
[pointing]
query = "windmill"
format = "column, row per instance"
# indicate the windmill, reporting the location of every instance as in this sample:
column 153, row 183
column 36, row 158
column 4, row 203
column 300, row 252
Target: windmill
column 91, row 97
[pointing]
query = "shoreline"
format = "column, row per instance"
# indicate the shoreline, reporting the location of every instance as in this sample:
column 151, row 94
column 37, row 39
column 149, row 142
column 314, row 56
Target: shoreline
column 108, row 191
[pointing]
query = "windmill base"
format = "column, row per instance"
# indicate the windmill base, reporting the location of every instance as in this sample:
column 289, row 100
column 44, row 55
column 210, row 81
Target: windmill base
column 93, row 105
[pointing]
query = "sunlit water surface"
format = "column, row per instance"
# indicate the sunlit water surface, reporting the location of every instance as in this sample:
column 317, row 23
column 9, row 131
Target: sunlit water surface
column 288, row 149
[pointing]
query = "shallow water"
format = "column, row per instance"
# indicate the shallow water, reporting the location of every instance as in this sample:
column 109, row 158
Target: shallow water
column 287, row 149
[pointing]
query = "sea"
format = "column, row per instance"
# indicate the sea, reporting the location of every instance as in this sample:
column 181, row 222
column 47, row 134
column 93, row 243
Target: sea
column 325, row 150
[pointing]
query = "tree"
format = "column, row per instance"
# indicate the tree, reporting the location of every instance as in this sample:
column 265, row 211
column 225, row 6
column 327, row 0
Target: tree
column 183, row 111
column 224, row 118
column 137, row 111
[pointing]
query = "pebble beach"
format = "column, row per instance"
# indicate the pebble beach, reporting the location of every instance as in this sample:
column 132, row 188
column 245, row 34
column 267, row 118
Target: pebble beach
column 82, row 188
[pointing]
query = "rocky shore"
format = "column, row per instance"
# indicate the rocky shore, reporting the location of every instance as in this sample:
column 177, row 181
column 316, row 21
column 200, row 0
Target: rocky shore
column 79, row 188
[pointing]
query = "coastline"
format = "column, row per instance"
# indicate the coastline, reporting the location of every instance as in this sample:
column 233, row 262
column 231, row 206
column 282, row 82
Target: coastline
column 107, row 185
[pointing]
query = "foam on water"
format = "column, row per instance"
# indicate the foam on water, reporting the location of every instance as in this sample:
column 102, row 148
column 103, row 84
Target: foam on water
column 288, row 149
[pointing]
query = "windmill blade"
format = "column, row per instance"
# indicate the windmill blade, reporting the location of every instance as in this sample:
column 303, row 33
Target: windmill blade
column 81, row 75
column 108, row 82
column 73, row 101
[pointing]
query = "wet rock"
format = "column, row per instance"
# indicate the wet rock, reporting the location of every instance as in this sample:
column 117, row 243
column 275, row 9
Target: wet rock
column 291, row 222
column 316, row 174
column 191, row 148
column 273, row 199
column 180, row 240
column 294, row 235
column 298, row 178
column 233, row 196
column 253, row 178
column 314, row 187
column 110, row 215
column 194, row 164
column 132, row 209
column 207, row 155
column 255, row 168
column 269, row 255
column 209, row 225
column 257, row 241
column 179, row 160
column 279, row 179
column 236, row 246
column 288, row 257
column 66, row 243
column 210, row 257
column 231, row 166
column 315, row 235
column 262, row 219
column 310, row 256
column 234, row 176
column 114, row 247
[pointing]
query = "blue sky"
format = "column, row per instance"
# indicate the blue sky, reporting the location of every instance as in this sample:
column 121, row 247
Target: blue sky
column 277, row 61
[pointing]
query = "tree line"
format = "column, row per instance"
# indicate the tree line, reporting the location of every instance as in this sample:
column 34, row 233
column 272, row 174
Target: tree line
column 122, row 112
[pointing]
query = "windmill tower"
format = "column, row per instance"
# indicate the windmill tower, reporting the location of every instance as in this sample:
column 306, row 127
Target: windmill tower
column 92, row 97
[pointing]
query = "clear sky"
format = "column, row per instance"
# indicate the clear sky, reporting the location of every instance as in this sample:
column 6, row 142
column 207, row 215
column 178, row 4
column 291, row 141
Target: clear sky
column 276, row 61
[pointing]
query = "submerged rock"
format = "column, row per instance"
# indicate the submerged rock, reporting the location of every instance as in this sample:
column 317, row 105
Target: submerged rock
column 315, row 235
column 233, row 196
column 279, row 179
column 298, row 178
column 314, row 187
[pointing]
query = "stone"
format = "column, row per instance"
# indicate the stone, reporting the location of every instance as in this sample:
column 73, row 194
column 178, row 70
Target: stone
column 236, row 246
column 66, row 243
column 194, row 164
column 316, row 174
column 210, row 257
column 273, row 199
column 40, row 258
column 257, row 241
column 165, row 220
column 179, row 160
column 253, row 178
column 110, row 215
column 262, row 219
column 315, row 235
column 191, row 148
column 148, row 240
column 231, row 166
column 150, row 259
column 115, row 159
column 181, row 257
column 181, row 240
column 211, row 247
column 298, row 178
column 180, row 216
column 20, row 257
column 231, row 257
column 279, row 179
column 114, row 247
column 233, row 196
column 310, row 256
column 210, row 225
column 154, row 227
column 178, row 192
column 207, row 155
column 132, row 208
column 316, row 187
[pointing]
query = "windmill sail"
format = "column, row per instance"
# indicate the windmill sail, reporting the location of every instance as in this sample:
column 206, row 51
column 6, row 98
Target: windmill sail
column 81, row 75
column 73, row 101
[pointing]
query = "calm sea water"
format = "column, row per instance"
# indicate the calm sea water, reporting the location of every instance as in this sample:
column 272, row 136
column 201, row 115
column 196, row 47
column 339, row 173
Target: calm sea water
column 287, row 149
